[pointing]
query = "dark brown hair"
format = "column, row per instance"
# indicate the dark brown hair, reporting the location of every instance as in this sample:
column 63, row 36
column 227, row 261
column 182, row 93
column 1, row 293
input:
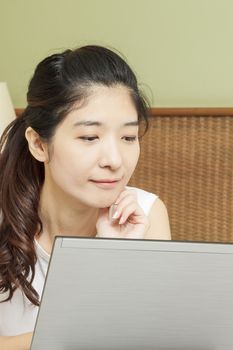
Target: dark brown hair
column 59, row 81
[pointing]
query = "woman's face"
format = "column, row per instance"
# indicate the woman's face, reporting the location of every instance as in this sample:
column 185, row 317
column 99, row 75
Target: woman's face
column 95, row 149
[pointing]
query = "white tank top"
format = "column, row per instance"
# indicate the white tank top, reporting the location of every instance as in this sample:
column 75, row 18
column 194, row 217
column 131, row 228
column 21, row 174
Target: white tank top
column 19, row 315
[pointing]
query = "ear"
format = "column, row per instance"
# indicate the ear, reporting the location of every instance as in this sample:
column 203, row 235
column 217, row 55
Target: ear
column 38, row 149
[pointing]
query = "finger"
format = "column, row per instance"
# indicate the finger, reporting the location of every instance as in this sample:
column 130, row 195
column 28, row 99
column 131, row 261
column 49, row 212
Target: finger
column 133, row 214
column 126, row 213
column 125, row 201
column 113, row 212
column 125, row 193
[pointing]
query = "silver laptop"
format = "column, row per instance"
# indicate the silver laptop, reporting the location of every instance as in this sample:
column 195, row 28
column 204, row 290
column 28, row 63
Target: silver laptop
column 111, row 294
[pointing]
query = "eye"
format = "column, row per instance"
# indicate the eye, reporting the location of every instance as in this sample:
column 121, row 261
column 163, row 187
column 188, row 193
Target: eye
column 88, row 138
column 129, row 138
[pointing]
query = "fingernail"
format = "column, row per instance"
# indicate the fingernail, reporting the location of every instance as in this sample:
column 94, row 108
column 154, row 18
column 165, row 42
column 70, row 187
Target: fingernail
column 121, row 221
column 115, row 215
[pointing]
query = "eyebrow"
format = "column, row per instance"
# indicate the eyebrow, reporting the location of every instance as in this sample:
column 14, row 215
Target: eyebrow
column 94, row 123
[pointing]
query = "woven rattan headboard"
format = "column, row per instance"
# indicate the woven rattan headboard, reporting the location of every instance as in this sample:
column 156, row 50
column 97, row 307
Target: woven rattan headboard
column 187, row 159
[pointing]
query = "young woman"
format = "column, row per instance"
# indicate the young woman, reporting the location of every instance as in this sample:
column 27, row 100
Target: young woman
column 65, row 165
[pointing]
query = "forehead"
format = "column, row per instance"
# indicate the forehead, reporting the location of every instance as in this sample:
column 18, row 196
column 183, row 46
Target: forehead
column 106, row 105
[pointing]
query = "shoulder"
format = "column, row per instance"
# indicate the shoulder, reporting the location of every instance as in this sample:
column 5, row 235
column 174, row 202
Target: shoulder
column 145, row 199
column 156, row 211
column 159, row 227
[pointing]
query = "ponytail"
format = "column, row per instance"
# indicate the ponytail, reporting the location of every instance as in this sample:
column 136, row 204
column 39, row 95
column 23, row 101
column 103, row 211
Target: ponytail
column 21, row 178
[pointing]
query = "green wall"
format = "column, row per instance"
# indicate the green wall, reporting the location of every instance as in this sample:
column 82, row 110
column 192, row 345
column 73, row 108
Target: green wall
column 181, row 49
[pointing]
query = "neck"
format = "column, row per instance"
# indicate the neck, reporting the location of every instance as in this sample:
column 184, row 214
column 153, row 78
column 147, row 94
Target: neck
column 64, row 217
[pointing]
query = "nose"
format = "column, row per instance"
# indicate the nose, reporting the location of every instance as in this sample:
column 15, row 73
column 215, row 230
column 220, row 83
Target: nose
column 110, row 155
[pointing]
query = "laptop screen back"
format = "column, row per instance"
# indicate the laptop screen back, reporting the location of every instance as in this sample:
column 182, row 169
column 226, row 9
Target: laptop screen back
column 110, row 294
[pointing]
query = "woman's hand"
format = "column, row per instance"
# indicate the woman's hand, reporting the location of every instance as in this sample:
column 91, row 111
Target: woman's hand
column 128, row 221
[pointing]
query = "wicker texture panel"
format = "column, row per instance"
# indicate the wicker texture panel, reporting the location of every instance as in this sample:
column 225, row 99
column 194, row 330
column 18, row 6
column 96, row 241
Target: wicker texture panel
column 188, row 162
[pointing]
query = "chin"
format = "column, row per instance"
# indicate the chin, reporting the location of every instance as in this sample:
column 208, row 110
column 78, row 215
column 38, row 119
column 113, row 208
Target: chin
column 104, row 199
column 101, row 203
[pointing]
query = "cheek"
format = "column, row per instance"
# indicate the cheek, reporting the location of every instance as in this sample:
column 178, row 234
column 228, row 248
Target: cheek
column 62, row 164
column 132, row 159
column 72, row 165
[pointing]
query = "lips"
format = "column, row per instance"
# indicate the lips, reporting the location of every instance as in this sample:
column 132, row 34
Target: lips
column 105, row 180
column 105, row 183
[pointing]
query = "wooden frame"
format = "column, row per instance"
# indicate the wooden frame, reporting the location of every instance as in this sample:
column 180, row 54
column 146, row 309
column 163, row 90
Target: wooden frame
column 186, row 111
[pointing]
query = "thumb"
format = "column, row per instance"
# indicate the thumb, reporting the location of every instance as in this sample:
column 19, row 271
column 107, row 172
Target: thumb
column 102, row 221
column 103, row 215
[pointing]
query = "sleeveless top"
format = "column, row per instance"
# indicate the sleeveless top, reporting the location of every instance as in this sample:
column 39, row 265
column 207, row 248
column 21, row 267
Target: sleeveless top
column 18, row 315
